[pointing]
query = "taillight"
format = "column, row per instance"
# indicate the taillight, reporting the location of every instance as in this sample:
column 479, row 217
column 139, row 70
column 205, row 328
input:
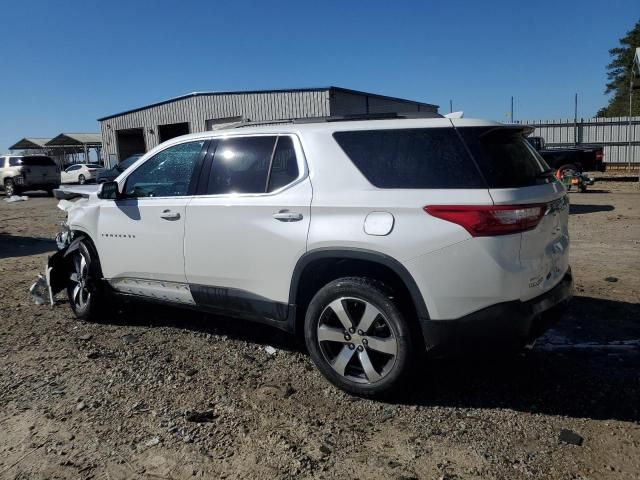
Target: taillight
column 489, row 220
column 599, row 156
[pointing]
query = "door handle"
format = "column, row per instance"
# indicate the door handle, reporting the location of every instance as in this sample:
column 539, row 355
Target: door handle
column 169, row 215
column 287, row 216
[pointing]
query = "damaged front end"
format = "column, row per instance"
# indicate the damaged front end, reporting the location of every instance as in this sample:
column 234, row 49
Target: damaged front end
column 59, row 268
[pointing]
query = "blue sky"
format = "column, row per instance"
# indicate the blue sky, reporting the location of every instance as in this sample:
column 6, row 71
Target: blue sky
column 63, row 64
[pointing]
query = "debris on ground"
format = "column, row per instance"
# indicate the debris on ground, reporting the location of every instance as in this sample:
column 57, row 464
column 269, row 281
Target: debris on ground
column 570, row 437
column 38, row 289
column 611, row 279
column 152, row 442
column 270, row 350
column 201, row 417
column 16, row 198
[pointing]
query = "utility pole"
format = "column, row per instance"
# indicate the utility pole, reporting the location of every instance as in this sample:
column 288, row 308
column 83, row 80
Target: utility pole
column 575, row 120
column 450, row 106
column 512, row 121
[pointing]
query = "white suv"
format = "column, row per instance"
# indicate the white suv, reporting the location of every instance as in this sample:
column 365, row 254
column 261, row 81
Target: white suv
column 378, row 239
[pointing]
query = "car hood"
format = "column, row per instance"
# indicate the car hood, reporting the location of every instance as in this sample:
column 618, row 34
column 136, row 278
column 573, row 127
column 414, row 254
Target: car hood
column 76, row 191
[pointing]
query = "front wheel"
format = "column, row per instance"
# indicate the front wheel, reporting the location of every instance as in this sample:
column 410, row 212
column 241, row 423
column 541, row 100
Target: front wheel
column 87, row 295
column 358, row 338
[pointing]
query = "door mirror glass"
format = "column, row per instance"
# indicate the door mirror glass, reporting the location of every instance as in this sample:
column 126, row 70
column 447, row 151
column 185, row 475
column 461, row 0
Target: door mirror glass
column 109, row 191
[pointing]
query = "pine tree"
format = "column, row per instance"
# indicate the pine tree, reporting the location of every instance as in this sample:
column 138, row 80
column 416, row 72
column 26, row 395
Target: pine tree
column 619, row 75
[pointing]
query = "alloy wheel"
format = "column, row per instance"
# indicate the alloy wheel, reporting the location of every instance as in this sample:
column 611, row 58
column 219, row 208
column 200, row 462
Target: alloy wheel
column 80, row 277
column 356, row 340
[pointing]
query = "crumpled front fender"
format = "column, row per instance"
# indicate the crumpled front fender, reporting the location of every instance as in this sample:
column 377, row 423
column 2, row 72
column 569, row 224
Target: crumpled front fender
column 57, row 273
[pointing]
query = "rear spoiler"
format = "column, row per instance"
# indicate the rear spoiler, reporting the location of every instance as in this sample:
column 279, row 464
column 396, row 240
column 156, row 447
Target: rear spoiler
column 70, row 193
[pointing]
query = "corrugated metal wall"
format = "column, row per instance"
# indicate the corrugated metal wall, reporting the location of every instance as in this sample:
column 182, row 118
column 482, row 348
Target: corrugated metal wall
column 345, row 103
column 196, row 110
column 611, row 133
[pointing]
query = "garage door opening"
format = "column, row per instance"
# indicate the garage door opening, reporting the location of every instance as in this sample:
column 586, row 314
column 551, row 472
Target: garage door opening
column 130, row 142
column 171, row 130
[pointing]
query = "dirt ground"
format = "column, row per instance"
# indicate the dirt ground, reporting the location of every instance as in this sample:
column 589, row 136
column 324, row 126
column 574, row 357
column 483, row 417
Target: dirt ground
column 164, row 393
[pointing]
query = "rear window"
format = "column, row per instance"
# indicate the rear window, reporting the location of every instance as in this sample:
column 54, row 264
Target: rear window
column 504, row 157
column 411, row 158
column 35, row 161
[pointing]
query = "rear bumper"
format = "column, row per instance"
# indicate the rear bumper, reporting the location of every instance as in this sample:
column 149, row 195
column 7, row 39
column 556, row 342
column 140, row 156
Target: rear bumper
column 500, row 327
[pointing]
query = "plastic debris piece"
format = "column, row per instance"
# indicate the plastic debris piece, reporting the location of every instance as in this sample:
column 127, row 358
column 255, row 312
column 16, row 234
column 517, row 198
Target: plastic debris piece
column 570, row 437
column 270, row 350
column 38, row 290
column 16, row 198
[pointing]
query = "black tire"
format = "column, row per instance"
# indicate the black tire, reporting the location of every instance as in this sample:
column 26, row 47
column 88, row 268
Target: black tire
column 91, row 301
column 384, row 372
column 49, row 192
column 81, row 179
column 10, row 188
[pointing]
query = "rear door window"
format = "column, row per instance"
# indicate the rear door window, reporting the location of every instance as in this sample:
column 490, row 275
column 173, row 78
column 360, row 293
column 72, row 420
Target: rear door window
column 241, row 165
column 505, row 158
column 284, row 166
column 411, row 158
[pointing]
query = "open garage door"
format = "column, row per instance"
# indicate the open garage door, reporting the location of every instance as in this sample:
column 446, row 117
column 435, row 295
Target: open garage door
column 171, row 130
column 130, row 142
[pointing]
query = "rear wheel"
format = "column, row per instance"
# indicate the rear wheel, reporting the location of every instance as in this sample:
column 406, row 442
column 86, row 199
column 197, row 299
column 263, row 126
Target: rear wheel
column 357, row 336
column 10, row 188
column 87, row 295
column 81, row 179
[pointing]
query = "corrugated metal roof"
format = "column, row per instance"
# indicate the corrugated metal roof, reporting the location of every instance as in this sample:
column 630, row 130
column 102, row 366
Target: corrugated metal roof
column 248, row 92
column 75, row 139
column 30, row 143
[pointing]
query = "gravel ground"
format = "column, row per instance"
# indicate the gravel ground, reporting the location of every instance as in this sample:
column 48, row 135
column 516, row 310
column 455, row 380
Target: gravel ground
column 164, row 393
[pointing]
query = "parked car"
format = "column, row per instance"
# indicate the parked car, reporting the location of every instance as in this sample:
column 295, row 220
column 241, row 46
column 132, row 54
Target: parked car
column 81, row 173
column 113, row 173
column 19, row 173
column 375, row 239
column 571, row 160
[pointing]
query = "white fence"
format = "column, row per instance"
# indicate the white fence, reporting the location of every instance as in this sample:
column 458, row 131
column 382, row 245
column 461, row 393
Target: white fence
column 612, row 133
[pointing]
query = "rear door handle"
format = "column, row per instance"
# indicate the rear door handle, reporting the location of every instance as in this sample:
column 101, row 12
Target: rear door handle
column 287, row 216
column 169, row 215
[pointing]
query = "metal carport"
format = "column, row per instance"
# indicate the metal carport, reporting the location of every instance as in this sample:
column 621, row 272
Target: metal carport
column 75, row 143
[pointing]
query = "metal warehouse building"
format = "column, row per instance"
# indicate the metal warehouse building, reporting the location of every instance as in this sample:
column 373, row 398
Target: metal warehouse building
column 141, row 129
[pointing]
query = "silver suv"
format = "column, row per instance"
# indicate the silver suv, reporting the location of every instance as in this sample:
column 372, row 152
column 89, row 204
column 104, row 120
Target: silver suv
column 19, row 173
column 376, row 239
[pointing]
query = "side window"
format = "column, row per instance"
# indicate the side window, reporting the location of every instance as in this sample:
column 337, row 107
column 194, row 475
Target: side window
column 72, row 168
column 241, row 165
column 166, row 174
column 284, row 168
column 15, row 161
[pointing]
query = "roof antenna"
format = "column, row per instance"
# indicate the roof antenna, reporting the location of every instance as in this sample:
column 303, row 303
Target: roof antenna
column 459, row 114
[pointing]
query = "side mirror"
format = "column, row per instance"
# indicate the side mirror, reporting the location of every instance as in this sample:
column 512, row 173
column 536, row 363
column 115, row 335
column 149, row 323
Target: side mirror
column 109, row 191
